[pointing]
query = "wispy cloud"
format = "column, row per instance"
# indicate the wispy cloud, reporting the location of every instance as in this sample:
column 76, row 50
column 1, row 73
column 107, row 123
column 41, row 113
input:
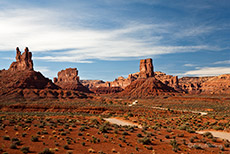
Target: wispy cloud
column 189, row 65
column 222, row 62
column 208, row 71
column 43, row 33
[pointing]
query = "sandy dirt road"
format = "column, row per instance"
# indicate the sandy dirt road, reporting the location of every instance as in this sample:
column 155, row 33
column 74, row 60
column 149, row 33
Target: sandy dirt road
column 222, row 135
column 121, row 122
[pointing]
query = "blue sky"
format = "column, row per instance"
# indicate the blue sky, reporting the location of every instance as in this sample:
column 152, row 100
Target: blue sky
column 105, row 39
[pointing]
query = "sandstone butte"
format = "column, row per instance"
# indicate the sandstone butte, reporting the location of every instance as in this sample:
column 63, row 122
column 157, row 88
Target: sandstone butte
column 191, row 85
column 68, row 79
column 21, row 82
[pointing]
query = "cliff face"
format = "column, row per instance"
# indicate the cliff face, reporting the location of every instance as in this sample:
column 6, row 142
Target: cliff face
column 217, row 85
column 192, row 85
column 68, row 79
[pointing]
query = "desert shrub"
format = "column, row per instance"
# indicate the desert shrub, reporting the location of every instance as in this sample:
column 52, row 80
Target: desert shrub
column 218, row 127
column 63, row 133
column 103, row 129
column 24, row 134
column 214, row 140
column 125, row 133
column 175, row 145
column 13, row 146
column 139, row 135
column 46, row 151
column 83, row 143
column 145, row 141
column 82, row 128
column 167, row 136
column 227, row 145
column 180, row 135
column 222, row 148
column 183, row 127
column 80, row 134
column 6, row 137
column 210, row 145
column 207, row 134
column 14, row 139
column 66, row 147
column 197, row 147
column 25, row 150
column 34, row 138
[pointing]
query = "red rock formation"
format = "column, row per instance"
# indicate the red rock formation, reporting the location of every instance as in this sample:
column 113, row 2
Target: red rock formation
column 169, row 80
column 217, row 85
column 146, row 68
column 68, row 79
column 92, row 83
column 206, row 85
column 107, row 90
column 23, row 62
column 192, row 85
column 21, row 76
column 149, row 87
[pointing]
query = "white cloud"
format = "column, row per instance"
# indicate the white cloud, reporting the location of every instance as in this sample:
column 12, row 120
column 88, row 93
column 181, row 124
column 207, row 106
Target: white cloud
column 194, row 31
column 222, row 62
column 44, row 31
column 209, row 71
column 189, row 65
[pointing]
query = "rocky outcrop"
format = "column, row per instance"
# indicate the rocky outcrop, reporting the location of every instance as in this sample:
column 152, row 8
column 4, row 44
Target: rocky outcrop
column 192, row 85
column 92, row 83
column 21, row 82
column 107, row 90
column 23, row 61
column 146, row 68
column 142, row 88
column 68, row 79
column 206, row 85
column 146, row 71
column 21, row 74
column 169, row 80
column 217, row 85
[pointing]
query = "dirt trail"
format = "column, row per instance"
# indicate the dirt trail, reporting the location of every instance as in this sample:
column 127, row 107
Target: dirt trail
column 121, row 122
column 198, row 112
column 223, row 135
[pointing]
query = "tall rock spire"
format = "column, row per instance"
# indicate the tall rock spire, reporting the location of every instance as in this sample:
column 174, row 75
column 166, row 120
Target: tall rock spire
column 146, row 68
column 23, row 61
